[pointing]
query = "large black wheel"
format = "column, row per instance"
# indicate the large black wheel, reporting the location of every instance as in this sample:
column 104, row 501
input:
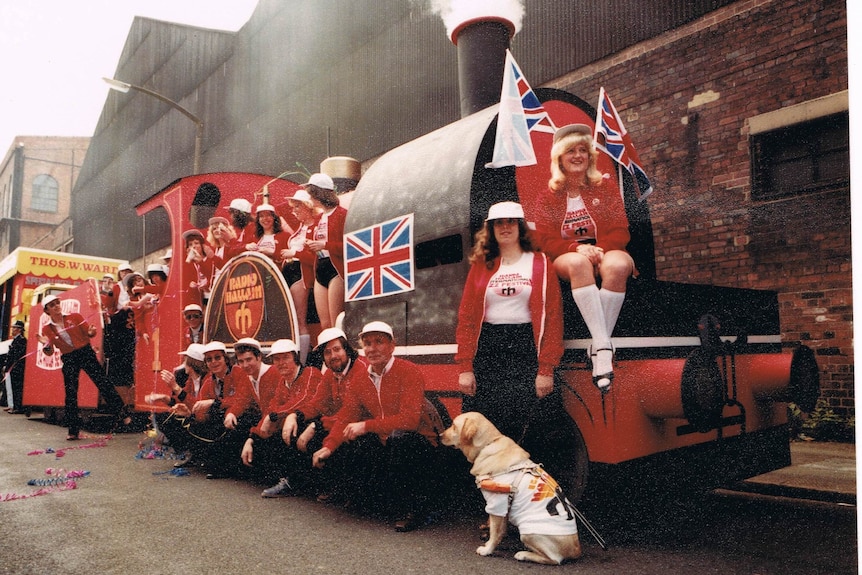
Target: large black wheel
column 555, row 441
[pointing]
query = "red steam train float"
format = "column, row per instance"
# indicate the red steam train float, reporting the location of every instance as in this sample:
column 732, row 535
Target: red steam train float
column 702, row 377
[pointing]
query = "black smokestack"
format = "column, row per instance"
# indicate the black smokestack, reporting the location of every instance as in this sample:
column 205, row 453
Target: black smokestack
column 482, row 43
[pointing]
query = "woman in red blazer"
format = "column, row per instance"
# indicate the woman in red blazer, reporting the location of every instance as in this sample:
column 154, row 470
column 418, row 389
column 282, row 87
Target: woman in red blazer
column 581, row 223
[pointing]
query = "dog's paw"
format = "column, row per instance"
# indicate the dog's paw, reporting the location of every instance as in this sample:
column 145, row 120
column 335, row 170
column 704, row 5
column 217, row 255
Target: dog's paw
column 484, row 550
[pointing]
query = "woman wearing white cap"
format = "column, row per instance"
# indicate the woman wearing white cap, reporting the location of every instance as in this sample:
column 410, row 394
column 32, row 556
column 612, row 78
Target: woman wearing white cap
column 510, row 331
column 298, row 267
column 220, row 234
column 328, row 244
column 581, row 223
column 269, row 237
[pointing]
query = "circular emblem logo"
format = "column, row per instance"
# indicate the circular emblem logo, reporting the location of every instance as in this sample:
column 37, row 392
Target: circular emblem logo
column 243, row 301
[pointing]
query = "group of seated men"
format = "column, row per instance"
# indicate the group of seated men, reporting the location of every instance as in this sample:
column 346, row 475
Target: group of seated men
column 361, row 431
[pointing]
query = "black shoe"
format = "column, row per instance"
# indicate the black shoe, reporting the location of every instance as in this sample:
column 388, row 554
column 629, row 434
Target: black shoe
column 190, row 462
column 409, row 522
column 217, row 475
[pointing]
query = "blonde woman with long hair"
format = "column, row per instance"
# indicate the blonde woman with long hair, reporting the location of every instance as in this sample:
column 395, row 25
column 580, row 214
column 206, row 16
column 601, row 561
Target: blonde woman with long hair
column 581, row 223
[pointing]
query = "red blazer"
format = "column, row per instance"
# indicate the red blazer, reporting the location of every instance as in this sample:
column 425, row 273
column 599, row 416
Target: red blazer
column 76, row 326
column 335, row 238
column 110, row 300
column 329, row 397
column 235, row 383
column 398, row 406
column 247, row 399
column 546, row 312
column 243, row 237
column 288, row 395
column 604, row 205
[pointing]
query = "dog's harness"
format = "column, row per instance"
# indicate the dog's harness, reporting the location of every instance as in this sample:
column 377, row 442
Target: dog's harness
column 487, row 482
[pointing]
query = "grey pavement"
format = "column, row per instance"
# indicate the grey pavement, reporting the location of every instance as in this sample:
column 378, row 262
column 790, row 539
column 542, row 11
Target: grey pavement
column 819, row 471
column 132, row 516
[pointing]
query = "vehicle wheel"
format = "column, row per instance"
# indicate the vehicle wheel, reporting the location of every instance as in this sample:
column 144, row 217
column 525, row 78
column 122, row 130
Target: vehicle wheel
column 561, row 449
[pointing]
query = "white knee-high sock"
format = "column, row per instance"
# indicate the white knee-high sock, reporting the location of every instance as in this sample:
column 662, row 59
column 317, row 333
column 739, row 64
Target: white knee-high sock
column 304, row 342
column 590, row 305
column 612, row 303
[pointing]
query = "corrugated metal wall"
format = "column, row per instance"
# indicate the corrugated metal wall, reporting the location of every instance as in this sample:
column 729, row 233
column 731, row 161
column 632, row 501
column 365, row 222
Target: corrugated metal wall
column 304, row 79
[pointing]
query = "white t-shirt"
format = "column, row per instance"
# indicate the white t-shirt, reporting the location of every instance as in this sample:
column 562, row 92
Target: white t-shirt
column 578, row 225
column 507, row 297
column 266, row 244
column 321, row 232
column 539, row 505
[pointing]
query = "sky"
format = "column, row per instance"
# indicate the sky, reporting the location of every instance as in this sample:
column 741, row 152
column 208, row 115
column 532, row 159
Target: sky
column 54, row 53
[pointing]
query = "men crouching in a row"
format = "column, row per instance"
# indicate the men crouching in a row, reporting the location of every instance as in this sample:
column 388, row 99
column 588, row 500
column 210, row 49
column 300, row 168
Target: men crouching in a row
column 361, row 432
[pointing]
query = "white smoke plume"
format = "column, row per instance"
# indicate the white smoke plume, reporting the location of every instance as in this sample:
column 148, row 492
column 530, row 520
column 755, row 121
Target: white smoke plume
column 454, row 12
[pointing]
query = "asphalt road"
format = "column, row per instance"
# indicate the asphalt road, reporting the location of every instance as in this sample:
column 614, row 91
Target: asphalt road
column 129, row 516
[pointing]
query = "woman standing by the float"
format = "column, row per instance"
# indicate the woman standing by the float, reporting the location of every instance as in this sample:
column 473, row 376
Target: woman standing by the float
column 581, row 223
column 510, row 327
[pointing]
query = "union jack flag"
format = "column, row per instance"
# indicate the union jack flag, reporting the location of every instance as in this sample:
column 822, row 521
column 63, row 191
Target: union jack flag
column 612, row 138
column 379, row 259
column 520, row 113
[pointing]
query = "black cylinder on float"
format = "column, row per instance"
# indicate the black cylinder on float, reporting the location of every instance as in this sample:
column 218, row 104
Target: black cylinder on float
column 804, row 386
column 482, row 45
column 702, row 389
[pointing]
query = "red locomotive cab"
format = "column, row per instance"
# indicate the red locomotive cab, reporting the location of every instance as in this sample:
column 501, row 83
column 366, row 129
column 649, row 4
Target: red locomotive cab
column 702, row 376
column 248, row 298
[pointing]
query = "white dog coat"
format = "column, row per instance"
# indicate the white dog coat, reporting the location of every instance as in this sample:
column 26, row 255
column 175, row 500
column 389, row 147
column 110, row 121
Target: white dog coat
column 534, row 501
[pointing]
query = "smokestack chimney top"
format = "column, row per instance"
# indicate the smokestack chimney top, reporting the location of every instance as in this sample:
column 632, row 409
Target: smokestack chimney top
column 481, row 20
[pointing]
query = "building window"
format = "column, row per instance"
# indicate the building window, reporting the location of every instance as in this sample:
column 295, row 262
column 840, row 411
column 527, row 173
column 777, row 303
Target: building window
column 46, row 194
column 805, row 157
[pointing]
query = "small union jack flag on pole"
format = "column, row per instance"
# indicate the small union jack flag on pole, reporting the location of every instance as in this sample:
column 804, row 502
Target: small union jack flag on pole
column 520, row 113
column 612, row 138
column 379, row 259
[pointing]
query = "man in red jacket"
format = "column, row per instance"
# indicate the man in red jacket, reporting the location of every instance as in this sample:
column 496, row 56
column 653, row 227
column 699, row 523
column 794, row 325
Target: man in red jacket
column 270, row 447
column 384, row 436
column 71, row 335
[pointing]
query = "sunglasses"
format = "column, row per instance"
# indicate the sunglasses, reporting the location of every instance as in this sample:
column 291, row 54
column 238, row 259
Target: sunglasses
column 193, row 316
column 215, row 358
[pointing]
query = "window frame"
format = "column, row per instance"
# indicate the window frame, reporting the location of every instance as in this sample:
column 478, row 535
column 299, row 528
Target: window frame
column 40, row 200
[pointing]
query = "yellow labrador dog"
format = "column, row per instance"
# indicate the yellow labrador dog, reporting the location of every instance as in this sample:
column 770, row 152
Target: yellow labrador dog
column 517, row 488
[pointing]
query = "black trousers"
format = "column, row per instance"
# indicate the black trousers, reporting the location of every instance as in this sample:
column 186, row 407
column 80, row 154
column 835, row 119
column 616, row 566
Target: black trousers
column 397, row 477
column 84, row 359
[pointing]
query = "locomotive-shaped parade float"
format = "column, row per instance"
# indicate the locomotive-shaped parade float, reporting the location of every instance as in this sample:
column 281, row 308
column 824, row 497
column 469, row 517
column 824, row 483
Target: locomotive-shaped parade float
column 702, row 378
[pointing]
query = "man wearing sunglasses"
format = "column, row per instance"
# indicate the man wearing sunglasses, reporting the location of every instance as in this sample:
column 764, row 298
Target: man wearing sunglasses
column 194, row 316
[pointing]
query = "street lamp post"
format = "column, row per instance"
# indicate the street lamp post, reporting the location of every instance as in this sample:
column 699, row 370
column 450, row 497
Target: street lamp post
column 125, row 87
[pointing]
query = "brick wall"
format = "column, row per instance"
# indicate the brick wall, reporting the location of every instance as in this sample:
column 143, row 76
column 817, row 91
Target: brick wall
column 686, row 98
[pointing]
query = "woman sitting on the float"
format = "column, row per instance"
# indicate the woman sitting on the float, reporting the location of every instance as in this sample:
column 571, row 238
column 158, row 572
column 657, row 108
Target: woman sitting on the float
column 581, row 223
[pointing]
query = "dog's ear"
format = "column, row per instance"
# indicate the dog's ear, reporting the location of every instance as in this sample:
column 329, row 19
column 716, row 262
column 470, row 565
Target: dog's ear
column 468, row 431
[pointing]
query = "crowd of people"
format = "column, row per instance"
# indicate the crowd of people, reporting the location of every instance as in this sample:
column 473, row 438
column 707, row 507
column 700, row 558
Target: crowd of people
column 358, row 428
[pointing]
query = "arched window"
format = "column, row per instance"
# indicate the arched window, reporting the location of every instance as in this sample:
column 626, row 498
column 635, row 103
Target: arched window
column 46, row 194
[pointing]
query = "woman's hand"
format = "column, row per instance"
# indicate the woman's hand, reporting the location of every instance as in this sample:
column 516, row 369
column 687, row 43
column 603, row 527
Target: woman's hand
column 544, row 385
column 467, row 383
column 591, row 252
column 315, row 245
